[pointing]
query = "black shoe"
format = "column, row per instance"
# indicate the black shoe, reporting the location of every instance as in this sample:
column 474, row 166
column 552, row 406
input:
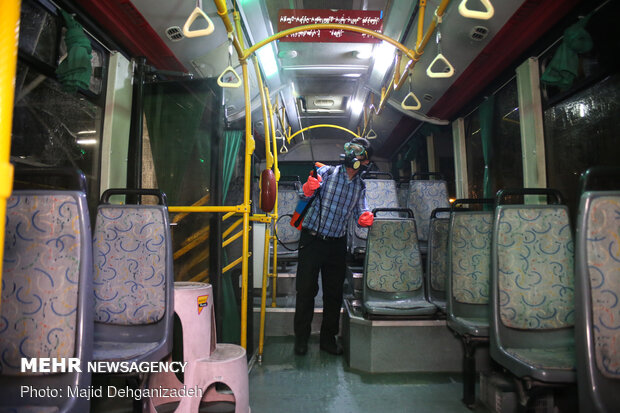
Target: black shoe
column 332, row 347
column 301, row 349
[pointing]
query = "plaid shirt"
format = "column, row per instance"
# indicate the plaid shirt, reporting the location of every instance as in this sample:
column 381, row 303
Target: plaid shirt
column 340, row 197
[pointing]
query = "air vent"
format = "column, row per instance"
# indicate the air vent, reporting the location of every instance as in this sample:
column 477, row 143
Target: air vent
column 479, row 33
column 324, row 103
column 174, row 33
column 427, row 97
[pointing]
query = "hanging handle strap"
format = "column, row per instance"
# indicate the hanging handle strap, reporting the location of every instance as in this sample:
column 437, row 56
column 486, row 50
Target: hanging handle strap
column 229, row 69
column 436, row 75
column 475, row 14
column 192, row 18
column 283, row 148
column 371, row 134
column 222, row 83
column 417, row 105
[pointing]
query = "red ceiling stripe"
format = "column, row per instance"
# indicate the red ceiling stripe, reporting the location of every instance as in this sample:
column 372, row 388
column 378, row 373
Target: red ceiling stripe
column 129, row 28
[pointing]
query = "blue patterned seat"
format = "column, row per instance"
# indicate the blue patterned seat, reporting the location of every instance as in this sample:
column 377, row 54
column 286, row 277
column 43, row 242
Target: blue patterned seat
column 133, row 280
column 469, row 252
column 597, row 288
column 47, row 295
column 437, row 260
column 425, row 196
column 393, row 270
column 380, row 193
column 532, row 289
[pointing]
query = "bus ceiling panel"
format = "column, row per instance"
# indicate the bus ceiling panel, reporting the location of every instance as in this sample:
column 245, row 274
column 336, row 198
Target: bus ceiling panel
column 517, row 34
column 167, row 19
column 461, row 41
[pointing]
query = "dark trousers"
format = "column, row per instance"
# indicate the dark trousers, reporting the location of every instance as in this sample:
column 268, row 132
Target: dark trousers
column 327, row 256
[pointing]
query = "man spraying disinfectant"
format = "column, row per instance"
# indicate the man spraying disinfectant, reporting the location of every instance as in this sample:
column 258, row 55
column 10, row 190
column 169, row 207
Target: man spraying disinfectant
column 334, row 194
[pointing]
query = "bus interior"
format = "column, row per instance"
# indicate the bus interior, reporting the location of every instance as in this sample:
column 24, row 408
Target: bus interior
column 153, row 155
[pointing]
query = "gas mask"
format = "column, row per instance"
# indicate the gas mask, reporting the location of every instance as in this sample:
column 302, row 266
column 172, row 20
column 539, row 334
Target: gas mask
column 351, row 152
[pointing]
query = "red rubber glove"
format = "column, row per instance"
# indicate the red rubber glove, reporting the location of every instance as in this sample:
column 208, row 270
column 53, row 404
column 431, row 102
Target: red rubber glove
column 311, row 185
column 366, row 219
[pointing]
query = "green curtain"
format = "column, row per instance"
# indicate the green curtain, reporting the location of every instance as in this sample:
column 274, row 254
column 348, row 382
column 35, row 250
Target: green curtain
column 231, row 320
column 75, row 70
column 486, row 133
column 564, row 65
column 179, row 143
column 232, row 141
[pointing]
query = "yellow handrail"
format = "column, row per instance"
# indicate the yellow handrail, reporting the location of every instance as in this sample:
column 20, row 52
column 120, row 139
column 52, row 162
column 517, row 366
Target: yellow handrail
column 9, row 34
column 274, row 214
column 261, row 88
column 325, row 125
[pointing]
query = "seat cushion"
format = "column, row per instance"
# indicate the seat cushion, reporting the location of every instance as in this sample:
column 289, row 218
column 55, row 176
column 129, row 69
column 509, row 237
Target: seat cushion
column 473, row 326
column 117, row 351
column 560, row 358
column 400, row 307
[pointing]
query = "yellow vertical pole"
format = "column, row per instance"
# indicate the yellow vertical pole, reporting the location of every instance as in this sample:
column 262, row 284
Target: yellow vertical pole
column 274, row 273
column 421, row 10
column 268, row 155
column 249, row 149
column 9, row 35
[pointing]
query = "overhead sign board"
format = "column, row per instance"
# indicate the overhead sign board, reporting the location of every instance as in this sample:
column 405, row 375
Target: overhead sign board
column 369, row 19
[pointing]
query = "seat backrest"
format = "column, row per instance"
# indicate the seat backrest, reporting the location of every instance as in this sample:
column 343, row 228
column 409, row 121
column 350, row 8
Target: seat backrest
column 47, row 294
column 469, row 251
column 133, row 274
column 437, row 260
column 532, row 276
column 288, row 196
column 425, row 196
column 380, row 193
column 597, row 288
column 392, row 263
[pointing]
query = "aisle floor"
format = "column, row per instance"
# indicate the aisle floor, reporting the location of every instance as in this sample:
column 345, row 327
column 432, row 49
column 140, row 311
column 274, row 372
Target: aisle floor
column 321, row 382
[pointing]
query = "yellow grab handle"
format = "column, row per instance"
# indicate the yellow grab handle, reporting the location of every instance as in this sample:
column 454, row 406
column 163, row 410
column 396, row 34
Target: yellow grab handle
column 371, row 134
column 449, row 73
column 197, row 33
column 417, row 105
column 475, row 14
column 220, row 80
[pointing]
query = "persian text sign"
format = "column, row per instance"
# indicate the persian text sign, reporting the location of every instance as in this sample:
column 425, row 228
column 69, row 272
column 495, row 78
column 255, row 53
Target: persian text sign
column 369, row 19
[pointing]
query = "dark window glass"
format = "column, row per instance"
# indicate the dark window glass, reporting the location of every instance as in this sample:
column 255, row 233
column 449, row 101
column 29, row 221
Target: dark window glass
column 580, row 132
column 38, row 36
column 53, row 127
column 475, row 158
column 506, row 165
column 444, row 153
